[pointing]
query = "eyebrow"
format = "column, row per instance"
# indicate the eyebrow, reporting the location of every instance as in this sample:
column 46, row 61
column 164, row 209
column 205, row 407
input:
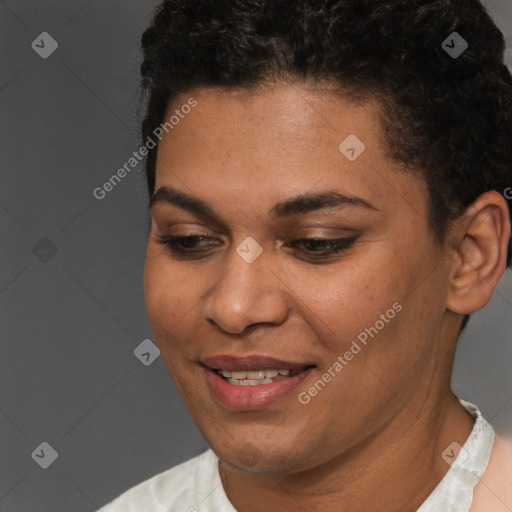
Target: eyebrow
column 303, row 203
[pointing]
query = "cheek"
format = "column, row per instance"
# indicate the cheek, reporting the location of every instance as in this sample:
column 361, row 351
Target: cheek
column 341, row 302
column 171, row 291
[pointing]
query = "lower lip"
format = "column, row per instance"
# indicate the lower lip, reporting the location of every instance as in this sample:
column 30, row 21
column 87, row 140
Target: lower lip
column 236, row 397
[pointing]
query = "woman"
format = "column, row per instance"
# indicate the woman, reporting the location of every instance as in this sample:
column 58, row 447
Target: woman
column 327, row 210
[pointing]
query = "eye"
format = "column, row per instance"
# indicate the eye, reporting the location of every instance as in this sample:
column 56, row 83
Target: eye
column 190, row 246
column 318, row 248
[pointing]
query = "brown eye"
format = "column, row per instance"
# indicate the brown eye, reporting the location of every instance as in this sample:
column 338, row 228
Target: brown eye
column 187, row 246
column 322, row 247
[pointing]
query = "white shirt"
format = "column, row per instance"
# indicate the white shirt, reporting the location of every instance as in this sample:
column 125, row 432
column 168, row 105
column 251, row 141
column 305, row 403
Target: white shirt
column 195, row 485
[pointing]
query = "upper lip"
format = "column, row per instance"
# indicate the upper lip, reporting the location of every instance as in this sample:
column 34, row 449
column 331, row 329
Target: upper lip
column 251, row 363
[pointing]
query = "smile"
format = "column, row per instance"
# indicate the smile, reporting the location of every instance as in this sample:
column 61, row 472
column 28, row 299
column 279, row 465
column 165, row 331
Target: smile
column 252, row 382
column 256, row 377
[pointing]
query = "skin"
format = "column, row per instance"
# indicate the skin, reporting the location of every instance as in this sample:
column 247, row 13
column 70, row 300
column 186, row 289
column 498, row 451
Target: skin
column 493, row 492
column 372, row 439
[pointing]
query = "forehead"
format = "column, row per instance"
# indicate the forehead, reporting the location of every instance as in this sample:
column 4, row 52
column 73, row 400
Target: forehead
column 277, row 141
column 293, row 119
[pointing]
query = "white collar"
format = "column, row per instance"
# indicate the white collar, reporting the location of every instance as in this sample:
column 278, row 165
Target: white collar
column 454, row 493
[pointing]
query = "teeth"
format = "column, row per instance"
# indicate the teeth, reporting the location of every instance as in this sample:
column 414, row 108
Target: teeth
column 257, row 375
column 249, row 382
column 250, row 378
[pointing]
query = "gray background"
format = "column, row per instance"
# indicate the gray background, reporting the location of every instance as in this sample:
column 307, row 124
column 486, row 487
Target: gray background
column 70, row 321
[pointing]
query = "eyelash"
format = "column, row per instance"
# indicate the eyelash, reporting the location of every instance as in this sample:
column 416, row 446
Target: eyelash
column 327, row 246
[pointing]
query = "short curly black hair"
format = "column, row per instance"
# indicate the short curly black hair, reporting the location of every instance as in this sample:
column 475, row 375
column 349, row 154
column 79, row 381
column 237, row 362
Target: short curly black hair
column 448, row 117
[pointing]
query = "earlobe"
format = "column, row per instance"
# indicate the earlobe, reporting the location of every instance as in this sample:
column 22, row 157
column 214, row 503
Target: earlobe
column 480, row 251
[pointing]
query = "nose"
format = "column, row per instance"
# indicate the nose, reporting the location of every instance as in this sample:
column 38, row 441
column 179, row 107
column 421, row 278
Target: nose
column 245, row 294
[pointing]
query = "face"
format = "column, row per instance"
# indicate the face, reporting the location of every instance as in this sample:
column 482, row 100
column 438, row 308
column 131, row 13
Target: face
column 306, row 273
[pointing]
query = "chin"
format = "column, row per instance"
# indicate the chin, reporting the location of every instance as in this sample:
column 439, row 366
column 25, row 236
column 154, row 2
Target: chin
column 257, row 458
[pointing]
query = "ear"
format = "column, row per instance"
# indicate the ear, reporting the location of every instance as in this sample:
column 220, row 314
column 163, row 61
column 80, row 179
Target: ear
column 480, row 242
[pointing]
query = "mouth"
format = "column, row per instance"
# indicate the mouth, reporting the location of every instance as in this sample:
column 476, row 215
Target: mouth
column 252, row 382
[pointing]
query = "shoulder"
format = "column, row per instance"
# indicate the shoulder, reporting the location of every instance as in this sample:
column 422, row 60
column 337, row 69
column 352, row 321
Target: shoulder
column 494, row 492
column 172, row 489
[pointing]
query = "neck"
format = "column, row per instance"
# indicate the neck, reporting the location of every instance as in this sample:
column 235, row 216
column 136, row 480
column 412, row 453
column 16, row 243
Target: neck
column 396, row 470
